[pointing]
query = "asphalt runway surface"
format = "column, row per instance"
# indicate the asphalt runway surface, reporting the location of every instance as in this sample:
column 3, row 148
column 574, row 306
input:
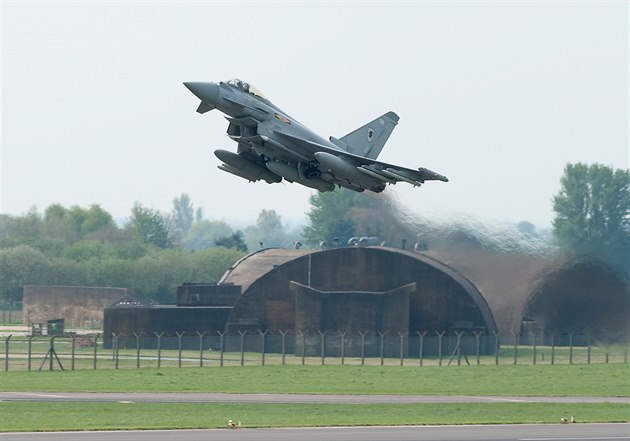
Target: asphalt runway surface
column 521, row 432
column 148, row 397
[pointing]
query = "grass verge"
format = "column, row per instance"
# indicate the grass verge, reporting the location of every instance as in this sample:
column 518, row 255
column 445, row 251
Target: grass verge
column 558, row 380
column 126, row 416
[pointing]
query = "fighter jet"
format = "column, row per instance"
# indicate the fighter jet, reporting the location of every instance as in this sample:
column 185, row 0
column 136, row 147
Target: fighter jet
column 272, row 145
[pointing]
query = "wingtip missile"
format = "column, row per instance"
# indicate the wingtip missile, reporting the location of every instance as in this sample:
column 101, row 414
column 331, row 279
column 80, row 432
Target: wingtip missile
column 433, row 175
column 400, row 175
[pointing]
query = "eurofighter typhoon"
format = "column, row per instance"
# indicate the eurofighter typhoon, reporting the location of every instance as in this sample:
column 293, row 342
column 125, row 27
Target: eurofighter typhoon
column 272, row 145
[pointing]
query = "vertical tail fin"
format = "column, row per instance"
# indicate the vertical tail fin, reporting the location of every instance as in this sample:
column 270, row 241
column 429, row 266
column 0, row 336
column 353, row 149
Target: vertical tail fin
column 370, row 139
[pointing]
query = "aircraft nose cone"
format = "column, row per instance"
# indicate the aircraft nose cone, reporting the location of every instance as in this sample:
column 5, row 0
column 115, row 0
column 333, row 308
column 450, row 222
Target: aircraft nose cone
column 206, row 92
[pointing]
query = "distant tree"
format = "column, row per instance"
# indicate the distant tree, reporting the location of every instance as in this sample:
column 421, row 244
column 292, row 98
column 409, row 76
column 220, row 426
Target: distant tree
column 593, row 212
column 204, row 233
column 268, row 230
column 73, row 224
column 343, row 214
column 330, row 216
column 22, row 230
column 526, row 227
column 182, row 215
column 19, row 266
column 85, row 250
column 269, row 222
column 96, row 219
column 150, row 225
column 234, row 241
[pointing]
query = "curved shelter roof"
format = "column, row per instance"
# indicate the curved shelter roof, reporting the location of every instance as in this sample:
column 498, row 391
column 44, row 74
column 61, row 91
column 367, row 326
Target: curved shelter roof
column 253, row 266
column 443, row 299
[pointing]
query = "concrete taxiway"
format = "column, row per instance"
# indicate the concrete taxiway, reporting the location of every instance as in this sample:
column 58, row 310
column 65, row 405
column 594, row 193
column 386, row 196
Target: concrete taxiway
column 521, row 432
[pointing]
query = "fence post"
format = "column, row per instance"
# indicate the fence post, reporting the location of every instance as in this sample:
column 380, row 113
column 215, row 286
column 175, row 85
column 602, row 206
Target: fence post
column 421, row 348
column 534, row 359
column 363, row 334
column 284, row 346
column 402, row 346
column 588, row 350
column 570, row 348
column 6, row 353
column 382, row 334
column 222, row 348
column 262, row 346
column 201, row 334
column 53, row 354
column 343, row 347
column 322, row 341
column 179, row 347
column 303, row 347
column 30, row 343
column 159, row 348
column 440, row 336
column 95, row 349
column 458, row 349
column 478, row 344
column 497, row 347
column 115, row 348
column 51, row 351
column 242, row 334
column 515, row 337
column 74, row 344
column 137, row 349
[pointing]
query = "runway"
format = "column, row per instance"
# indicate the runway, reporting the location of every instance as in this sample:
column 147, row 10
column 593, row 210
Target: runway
column 147, row 397
column 524, row 432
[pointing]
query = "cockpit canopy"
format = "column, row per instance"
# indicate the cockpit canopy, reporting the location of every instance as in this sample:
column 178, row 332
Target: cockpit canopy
column 245, row 87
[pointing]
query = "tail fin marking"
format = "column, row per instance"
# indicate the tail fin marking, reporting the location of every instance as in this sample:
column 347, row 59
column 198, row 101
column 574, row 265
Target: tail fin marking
column 369, row 140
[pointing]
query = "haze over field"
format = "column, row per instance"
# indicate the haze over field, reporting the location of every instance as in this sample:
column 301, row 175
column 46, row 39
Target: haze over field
column 496, row 96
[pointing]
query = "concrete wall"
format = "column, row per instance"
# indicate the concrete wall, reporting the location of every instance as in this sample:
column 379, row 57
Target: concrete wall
column 205, row 294
column 76, row 304
column 168, row 319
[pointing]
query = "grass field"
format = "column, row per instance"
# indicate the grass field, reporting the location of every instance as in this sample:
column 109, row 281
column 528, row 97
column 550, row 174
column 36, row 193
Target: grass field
column 558, row 380
column 572, row 380
column 110, row 416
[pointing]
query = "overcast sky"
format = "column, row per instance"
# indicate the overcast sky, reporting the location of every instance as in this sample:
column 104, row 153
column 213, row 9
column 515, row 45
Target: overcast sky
column 496, row 96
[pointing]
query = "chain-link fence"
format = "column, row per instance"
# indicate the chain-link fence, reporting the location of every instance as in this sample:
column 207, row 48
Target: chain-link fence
column 119, row 351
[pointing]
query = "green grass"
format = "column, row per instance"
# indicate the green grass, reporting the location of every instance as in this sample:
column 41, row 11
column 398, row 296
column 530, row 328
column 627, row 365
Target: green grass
column 558, row 380
column 110, row 416
column 571, row 380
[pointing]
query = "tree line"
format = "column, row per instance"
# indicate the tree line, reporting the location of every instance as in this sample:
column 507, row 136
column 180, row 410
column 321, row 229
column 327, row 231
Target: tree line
column 153, row 252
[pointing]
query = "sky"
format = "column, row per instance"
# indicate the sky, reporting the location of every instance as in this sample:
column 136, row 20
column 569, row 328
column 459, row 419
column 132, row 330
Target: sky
column 497, row 96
